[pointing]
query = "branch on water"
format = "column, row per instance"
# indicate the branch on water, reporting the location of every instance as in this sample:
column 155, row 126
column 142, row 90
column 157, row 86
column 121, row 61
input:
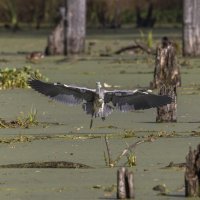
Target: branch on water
column 137, row 45
column 110, row 162
column 125, row 151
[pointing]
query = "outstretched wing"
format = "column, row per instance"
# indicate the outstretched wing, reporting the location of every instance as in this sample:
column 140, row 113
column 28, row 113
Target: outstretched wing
column 64, row 93
column 135, row 100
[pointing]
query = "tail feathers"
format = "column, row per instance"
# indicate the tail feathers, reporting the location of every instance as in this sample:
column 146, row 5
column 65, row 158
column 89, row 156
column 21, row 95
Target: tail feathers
column 107, row 111
column 88, row 108
column 103, row 113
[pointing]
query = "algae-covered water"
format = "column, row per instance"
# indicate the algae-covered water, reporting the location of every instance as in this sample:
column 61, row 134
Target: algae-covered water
column 63, row 133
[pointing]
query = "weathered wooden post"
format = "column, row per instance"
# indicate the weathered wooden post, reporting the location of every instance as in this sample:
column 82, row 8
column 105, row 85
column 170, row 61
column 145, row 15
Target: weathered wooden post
column 192, row 173
column 130, row 192
column 166, row 78
column 121, row 188
column 168, row 113
column 125, row 185
column 68, row 37
column 191, row 28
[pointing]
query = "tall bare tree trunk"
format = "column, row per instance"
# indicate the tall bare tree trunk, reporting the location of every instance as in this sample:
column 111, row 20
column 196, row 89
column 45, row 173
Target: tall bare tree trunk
column 74, row 35
column 116, row 22
column 191, row 27
column 76, row 26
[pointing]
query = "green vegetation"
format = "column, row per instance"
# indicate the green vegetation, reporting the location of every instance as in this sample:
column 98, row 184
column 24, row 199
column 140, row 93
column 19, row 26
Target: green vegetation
column 128, row 152
column 131, row 159
column 17, row 78
column 147, row 39
column 23, row 121
column 37, row 13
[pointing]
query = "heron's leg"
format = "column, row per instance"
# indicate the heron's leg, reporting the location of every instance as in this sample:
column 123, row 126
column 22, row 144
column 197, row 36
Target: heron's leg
column 91, row 122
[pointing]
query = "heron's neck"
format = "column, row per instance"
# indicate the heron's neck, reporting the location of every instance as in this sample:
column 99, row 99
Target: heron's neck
column 98, row 89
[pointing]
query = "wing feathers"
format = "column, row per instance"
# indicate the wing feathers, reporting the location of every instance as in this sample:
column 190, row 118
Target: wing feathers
column 138, row 99
column 124, row 100
column 63, row 93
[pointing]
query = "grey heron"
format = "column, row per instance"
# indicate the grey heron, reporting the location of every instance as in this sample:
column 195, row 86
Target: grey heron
column 100, row 102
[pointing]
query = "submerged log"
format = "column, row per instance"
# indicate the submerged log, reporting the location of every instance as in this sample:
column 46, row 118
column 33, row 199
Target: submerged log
column 50, row 164
column 192, row 172
column 166, row 78
column 137, row 45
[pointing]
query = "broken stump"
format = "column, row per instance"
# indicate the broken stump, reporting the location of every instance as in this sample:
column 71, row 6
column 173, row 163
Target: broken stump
column 168, row 113
column 192, row 173
column 125, row 185
column 166, row 79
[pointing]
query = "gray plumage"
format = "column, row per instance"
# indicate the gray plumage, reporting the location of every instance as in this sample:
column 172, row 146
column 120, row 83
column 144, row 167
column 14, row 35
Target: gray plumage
column 100, row 102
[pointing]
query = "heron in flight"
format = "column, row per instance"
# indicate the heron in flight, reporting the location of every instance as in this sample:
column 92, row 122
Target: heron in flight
column 100, row 102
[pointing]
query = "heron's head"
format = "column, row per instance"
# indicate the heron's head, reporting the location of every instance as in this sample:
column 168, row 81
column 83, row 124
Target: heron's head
column 98, row 85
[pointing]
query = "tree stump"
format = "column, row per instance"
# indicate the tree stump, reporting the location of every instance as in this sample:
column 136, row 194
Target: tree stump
column 121, row 188
column 192, row 173
column 166, row 78
column 125, row 186
column 197, row 162
column 55, row 43
column 72, row 38
column 129, row 185
column 168, row 113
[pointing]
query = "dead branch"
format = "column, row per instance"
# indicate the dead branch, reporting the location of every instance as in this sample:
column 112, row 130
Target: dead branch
column 137, row 45
column 129, row 148
column 108, row 150
column 111, row 162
